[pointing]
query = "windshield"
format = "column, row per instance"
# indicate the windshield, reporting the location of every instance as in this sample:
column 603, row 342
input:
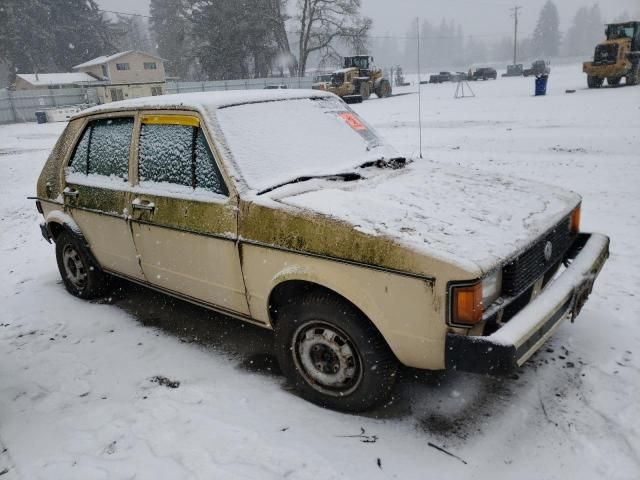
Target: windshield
column 619, row 31
column 275, row 142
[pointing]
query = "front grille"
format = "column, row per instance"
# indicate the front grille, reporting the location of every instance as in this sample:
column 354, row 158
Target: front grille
column 530, row 265
column 605, row 54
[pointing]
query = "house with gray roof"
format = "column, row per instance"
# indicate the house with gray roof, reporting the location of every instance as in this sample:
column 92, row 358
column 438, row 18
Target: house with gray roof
column 124, row 75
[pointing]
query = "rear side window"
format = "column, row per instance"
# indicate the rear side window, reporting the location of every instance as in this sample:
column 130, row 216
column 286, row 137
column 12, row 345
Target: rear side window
column 104, row 149
column 177, row 155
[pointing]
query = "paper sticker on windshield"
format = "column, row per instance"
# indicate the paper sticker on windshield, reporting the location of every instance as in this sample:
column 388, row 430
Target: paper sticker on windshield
column 353, row 121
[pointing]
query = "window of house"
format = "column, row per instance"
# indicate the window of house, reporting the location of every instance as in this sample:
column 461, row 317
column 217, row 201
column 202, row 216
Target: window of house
column 156, row 91
column 104, row 149
column 122, row 66
column 105, row 71
column 177, row 155
column 150, row 66
column 116, row 94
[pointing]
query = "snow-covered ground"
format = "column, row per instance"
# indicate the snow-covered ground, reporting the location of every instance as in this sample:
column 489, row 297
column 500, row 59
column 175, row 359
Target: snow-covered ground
column 77, row 396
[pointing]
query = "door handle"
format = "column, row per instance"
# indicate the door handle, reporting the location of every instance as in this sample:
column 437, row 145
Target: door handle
column 71, row 193
column 143, row 205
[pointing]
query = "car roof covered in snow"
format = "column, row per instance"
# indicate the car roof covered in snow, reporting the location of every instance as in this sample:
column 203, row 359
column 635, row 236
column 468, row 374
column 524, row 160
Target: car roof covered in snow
column 204, row 101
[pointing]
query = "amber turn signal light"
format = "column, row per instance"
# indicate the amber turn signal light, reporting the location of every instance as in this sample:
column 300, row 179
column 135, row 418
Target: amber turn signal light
column 575, row 220
column 467, row 305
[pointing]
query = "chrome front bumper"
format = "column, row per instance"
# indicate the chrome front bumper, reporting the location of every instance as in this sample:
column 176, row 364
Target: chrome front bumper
column 512, row 345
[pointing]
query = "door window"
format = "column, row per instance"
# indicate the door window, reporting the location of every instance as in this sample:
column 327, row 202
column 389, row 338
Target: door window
column 166, row 154
column 177, row 155
column 103, row 149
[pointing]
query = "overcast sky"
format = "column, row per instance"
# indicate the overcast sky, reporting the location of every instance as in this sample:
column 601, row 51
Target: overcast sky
column 478, row 17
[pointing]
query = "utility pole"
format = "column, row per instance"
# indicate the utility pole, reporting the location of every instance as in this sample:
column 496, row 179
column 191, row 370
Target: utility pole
column 515, row 14
column 419, row 85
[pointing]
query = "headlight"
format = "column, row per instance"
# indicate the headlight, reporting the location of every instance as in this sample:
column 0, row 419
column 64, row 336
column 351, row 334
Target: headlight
column 491, row 288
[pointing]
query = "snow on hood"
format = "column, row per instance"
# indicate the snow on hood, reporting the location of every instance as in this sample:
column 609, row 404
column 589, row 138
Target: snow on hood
column 472, row 219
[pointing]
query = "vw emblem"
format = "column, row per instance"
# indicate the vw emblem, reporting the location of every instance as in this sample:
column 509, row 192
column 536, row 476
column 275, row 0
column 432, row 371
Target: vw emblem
column 548, row 251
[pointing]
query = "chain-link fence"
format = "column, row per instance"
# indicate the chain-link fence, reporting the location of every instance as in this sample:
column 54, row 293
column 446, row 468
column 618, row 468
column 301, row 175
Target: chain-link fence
column 22, row 105
column 243, row 84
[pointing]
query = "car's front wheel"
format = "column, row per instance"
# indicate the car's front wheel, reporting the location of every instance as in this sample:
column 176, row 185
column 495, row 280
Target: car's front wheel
column 332, row 354
column 81, row 275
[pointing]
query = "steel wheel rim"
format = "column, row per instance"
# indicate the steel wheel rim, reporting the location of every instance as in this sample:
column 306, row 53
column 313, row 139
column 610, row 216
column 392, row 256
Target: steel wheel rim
column 74, row 267
column 327, row 358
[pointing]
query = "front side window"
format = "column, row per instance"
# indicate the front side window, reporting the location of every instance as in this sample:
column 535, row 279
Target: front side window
column 103, row 149
column 165, row 154
column 177, row 155
column 122, row 66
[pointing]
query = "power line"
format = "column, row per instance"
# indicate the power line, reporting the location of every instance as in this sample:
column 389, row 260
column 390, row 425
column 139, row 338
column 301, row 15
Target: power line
column 126, row 14
column 377, row 37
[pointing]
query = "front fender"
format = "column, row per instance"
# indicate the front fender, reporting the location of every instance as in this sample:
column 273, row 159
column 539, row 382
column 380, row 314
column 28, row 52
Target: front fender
column 408, row 311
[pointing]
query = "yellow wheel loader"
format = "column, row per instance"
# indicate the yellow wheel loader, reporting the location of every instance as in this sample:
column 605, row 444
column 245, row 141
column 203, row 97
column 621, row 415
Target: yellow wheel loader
column 617, row 57
column 358, row 80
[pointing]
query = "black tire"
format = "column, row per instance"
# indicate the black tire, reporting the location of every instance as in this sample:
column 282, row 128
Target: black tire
column 332, row 355
column 634, row 75
column 365, row 90
column 614, row 81
column 81, row 275
column 384, row 89
column 594, row 82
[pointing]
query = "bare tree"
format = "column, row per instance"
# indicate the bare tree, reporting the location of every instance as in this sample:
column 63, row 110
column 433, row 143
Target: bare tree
column 321, row 23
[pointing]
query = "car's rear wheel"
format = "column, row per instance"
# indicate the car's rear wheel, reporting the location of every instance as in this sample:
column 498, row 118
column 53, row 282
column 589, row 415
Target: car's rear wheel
column 332, row 354
column 81, row 275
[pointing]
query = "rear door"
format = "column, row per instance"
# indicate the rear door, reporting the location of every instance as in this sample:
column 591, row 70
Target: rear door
column 98, row 191
column 184, row 219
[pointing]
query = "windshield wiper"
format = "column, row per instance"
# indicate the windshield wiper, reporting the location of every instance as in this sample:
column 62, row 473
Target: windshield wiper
column 347, row 177
column 392, row 163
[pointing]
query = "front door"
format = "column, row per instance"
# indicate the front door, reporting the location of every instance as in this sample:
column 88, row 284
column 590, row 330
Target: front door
column 98, row 193
column 184, row 221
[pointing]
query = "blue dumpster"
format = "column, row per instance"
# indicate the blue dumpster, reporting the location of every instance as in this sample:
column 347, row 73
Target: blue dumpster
column 541, row 85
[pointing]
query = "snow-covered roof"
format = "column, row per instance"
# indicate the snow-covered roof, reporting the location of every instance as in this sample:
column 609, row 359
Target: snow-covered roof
column 43, row 79
column 108, row 58
column 206, row 101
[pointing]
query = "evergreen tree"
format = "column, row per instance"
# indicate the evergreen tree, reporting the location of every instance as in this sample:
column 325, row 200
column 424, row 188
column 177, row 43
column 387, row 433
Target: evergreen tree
column 51, row 35
column 576, row 41
column 133, row 34
column 26, row 36
column 546, row 37
column 596, row 25
column 170, row 25
column 475, row 52
column 502, row 50
column 79, row 30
